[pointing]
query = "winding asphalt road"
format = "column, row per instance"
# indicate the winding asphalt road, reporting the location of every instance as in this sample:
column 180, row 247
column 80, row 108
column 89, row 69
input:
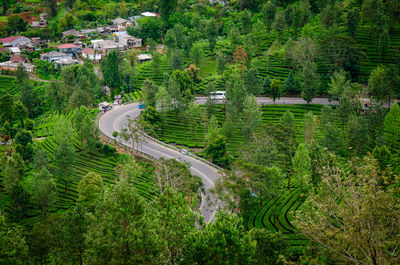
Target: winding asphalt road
column 115, row 120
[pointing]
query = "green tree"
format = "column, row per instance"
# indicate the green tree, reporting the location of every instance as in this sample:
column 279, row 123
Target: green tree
column 292, row 83
column 14, row 171
column 216, row 146
column 170, row 40
column 111, row 71
column 193, row 114
column 19, row 201
column 270, row 247
column 43, row 190
column 177, row 220
column 23, row 144
column 155, row 62
column 89, row 189
column 221, row 62
column 51, row 6
column 269, row 11
column 19, row 112
column 119, row 230
column 352, row 216
column 28, row 96
column 149, row 92
column 310, row 126
column 251, row 116
column 353, row 19
column 176, row 60
column 197, row 53
column 310, row 82
column 287, row 138
column 276, row 90
column 15, row 24
column 267, row 84
column 252, row 81
column 302, row 167
column 211, row 32
column 225, row 240
column 279, row 23
column 14, row 249
column 163, row 104
column 392, row 127
column 64, row 154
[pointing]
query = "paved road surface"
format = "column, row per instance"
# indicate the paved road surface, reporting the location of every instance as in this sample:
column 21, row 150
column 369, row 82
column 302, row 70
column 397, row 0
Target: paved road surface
column 284, row 100
column 115, row 120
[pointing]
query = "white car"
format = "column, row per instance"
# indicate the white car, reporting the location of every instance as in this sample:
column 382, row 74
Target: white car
column 218, row 95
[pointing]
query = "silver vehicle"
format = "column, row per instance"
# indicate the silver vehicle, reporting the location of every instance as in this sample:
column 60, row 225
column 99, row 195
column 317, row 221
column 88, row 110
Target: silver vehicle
column 218, row 95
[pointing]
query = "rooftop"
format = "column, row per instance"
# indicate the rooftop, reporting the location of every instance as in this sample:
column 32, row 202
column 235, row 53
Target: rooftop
column 119, row 20
column 11, row 39
column 72, row 32
column 67, row 46
column 88, row 51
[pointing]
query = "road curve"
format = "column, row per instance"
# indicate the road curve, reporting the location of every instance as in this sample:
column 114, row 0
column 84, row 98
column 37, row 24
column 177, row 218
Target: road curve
column 116, row 119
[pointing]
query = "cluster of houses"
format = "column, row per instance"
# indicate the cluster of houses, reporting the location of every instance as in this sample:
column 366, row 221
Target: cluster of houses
column 91, row 44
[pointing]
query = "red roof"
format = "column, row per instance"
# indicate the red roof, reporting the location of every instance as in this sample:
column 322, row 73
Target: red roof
column 17, row 59
column 67, row 46
column 88, row 51
column 11, row 39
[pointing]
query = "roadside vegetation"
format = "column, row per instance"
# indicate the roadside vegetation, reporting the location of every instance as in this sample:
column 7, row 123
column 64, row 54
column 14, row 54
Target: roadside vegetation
column 302, row 184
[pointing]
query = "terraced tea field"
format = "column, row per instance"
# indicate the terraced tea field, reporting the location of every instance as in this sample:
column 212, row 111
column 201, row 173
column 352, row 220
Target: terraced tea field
column 277, row 215
column 175, row 131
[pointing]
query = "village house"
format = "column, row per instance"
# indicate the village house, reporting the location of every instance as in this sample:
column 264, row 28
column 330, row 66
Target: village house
column 15, row 51
column 41, row 23
column 121, row 23
column 107, row 45
column 54, row 56
column 73, row 33
column 13, row 41
column 70, row 49
column 10, row 66
column 128, row 40
column 17, row 59
column 26, row 44
column 91, row 54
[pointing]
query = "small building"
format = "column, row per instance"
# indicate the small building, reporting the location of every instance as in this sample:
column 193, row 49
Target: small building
column 73, row 33
column 13, row 66
column 13, row 41
column 128, row 40
column 150, row 14
column 17, row 59
column 91, row 54
column 26, row 45
column 15, row 50
column 121, row 23
column 65, row 62
column 69, row 48
column 54, row 56
column 144, row 57
column 41, row 23
column 107, row 45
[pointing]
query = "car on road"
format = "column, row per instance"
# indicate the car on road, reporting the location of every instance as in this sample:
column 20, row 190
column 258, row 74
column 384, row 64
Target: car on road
column 141, row 106
column 218, row 95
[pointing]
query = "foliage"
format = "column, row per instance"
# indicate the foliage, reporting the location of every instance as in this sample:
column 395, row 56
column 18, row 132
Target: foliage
column 360, row 226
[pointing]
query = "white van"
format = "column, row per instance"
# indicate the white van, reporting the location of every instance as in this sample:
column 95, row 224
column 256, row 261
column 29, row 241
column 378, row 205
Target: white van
column 218, row 95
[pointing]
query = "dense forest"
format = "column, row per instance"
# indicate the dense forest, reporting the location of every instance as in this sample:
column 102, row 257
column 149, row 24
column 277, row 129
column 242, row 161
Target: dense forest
column 306, row 141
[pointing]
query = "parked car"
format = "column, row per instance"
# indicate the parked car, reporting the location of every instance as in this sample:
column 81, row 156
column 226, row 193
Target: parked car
column 218, row 95
column 142, row 106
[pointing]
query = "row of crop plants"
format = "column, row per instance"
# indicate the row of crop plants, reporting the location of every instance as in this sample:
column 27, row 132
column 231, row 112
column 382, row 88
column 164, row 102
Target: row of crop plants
column 133, row 96
column 175, row 131
column 277, row 216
